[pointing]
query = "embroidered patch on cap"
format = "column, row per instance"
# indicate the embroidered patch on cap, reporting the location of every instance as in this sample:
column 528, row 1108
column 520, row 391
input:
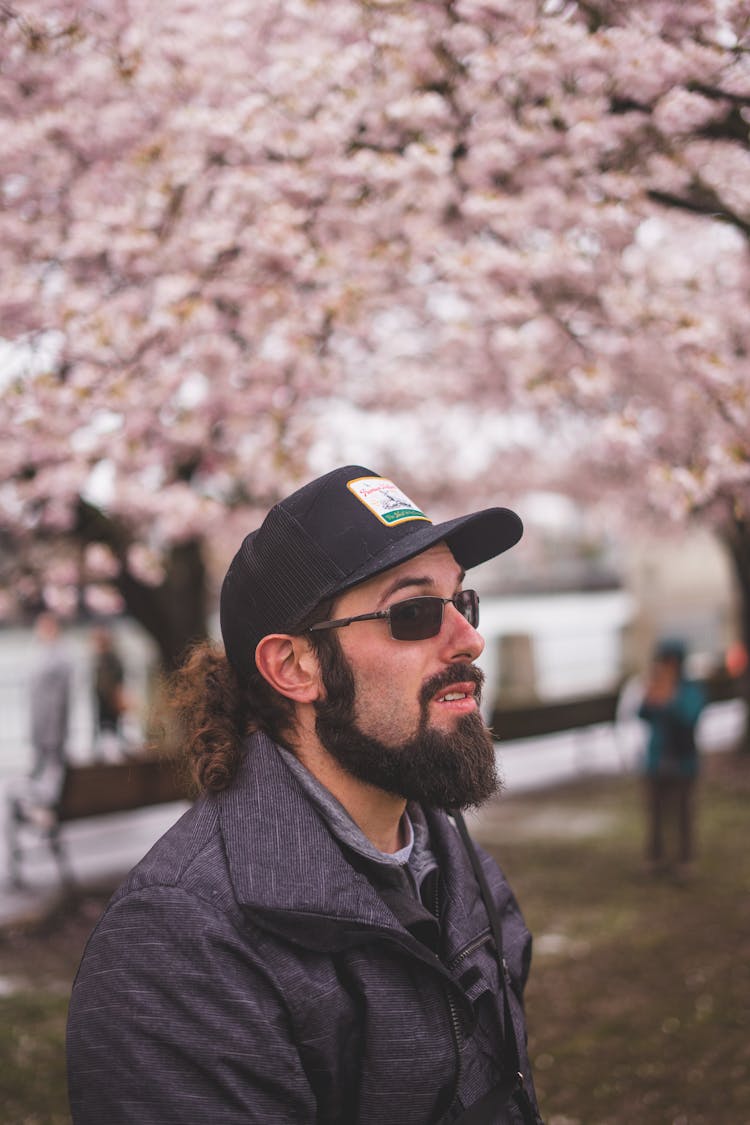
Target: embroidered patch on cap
column 385, row 500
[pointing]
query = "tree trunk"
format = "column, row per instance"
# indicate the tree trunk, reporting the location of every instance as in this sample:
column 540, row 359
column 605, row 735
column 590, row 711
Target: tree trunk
column 736, row 536
column 174, row 613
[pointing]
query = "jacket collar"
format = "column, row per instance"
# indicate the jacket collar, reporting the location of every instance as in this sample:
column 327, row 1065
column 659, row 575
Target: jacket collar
column 289, row 869
column 281, row 854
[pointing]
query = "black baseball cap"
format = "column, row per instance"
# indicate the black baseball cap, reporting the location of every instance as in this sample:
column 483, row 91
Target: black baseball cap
column 330, row 535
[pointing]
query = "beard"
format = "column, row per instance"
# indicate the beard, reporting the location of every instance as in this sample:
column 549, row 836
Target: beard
column 439, row 770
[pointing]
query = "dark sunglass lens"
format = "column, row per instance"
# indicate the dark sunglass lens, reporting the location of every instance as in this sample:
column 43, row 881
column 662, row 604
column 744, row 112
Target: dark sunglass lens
column 416, row 619
column 467, row 603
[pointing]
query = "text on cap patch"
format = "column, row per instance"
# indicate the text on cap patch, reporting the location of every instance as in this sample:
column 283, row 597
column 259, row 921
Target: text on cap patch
column 385, row 500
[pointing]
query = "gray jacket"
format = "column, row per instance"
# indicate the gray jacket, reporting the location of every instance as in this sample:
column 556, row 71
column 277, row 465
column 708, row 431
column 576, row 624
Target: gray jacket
column 254, row 969
column 50, row 704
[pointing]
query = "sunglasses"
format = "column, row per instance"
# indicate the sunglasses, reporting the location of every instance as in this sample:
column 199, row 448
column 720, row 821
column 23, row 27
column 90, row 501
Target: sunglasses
column 415, row 619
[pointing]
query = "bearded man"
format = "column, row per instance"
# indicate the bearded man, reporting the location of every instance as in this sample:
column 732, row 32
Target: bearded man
column 315, row 941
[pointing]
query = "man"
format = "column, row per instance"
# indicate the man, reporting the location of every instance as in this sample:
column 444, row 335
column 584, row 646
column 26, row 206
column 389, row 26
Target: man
column 109, row 690
column 309, row 943
column 672, row 705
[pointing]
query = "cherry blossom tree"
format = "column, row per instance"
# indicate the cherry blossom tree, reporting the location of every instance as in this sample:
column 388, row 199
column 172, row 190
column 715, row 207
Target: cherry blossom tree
column 230, row 234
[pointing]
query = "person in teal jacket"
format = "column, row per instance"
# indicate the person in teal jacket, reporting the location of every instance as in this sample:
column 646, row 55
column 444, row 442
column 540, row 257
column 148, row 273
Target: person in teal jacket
column 671, row 705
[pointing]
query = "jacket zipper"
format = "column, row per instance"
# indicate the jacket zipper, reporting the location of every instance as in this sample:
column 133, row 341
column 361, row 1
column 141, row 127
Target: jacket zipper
column 455, row 1018
column 477, row 943
column 455, row 1022
column 453, row 1014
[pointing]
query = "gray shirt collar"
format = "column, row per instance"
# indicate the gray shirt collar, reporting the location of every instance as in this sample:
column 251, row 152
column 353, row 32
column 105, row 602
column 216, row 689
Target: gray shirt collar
column 416, row 855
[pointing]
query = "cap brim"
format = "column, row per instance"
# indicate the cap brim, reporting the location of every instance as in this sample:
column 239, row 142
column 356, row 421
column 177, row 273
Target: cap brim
column 473, row 540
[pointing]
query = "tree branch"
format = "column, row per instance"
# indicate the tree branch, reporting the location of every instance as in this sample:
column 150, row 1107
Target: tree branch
column 703, row 202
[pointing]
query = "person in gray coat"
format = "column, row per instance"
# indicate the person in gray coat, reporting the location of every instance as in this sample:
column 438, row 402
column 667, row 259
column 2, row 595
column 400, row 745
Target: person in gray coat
column 316, row 940
column 49, row 695
column 49, row 711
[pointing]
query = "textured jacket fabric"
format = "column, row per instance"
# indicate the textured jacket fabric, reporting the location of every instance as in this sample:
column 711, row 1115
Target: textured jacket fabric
column 249, row 971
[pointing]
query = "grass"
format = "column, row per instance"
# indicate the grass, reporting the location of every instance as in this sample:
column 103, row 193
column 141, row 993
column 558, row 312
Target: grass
column 38, row 965
column 639, row 998
column 32, row 1060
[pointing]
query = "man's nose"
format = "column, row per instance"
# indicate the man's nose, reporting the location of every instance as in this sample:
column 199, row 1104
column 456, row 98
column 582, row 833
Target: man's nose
column 461, row 637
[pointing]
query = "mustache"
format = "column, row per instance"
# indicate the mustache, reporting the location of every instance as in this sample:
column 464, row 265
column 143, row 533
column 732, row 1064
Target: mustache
column 465, row 673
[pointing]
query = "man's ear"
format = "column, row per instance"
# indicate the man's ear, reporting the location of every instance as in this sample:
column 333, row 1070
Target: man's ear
column 290, row 666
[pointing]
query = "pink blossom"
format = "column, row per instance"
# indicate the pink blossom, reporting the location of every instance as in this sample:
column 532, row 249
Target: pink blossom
column 235, row 218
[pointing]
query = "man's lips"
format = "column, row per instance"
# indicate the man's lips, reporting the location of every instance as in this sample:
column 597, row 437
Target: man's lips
column 458, row 688
column 459, row 696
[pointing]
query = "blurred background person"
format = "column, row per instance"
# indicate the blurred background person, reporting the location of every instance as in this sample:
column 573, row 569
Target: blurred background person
column 671, row 706
column 109, row 692
column 50, row 692
column 49, row 710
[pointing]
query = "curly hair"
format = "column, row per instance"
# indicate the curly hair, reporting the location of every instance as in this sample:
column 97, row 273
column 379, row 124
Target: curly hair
column 214, row 712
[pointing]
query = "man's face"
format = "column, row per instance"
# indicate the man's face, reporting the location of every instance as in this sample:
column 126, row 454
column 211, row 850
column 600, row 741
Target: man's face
column 404, row 715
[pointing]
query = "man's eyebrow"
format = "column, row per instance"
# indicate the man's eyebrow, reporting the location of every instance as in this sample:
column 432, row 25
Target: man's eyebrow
column 406, row 580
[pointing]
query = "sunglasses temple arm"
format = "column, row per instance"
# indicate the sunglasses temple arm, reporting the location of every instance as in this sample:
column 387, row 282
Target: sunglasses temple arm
column 342, row 622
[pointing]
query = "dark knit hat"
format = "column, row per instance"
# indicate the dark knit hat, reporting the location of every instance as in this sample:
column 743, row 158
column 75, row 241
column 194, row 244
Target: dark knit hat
column 333, row 533
column 671, row 648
